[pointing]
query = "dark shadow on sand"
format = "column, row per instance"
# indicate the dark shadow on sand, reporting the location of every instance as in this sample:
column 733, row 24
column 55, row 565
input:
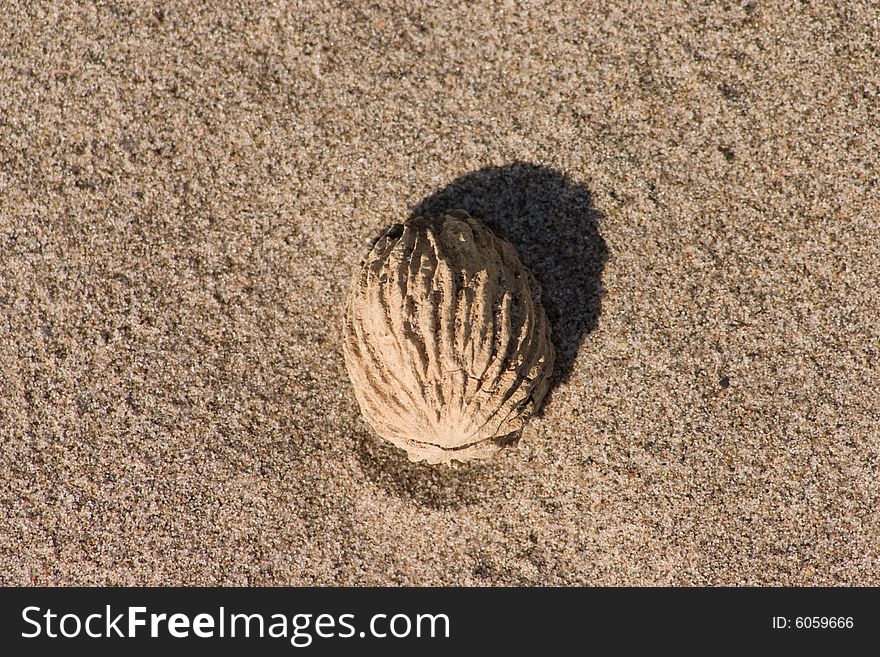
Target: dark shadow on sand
column 552, row 223
column 431, row 486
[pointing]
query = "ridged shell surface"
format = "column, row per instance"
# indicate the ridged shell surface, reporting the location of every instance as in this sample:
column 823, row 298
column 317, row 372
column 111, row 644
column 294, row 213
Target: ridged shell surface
column 446, row 341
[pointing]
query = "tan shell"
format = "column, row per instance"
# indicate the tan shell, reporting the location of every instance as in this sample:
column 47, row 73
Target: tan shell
column 446, row 342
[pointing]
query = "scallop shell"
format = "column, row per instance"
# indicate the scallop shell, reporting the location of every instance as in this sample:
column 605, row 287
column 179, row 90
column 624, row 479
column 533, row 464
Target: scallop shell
column 446, row 342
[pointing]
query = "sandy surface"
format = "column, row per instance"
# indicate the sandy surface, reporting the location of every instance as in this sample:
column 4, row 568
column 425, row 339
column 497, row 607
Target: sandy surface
column 185, row 193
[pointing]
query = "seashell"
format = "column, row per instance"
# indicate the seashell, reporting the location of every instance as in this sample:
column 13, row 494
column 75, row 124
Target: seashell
column 446, row 342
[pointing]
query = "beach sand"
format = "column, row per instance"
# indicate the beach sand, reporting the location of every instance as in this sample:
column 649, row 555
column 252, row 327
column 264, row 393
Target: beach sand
column 186, row 192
